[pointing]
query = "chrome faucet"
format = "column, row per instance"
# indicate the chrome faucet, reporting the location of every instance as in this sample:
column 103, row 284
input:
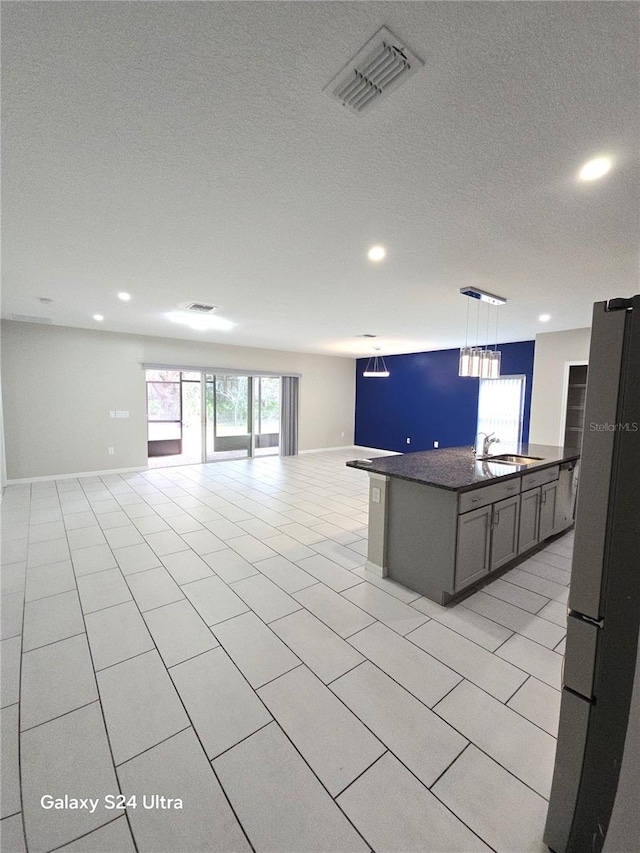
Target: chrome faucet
column 486, row 443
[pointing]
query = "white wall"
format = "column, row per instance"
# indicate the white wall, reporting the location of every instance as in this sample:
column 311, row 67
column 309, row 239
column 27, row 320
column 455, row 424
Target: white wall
column 554, row 350
column 61, row 383
column 3, row 466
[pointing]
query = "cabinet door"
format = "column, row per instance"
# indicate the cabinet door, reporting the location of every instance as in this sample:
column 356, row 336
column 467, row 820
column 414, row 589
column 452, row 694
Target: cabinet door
column 504, row 535
column 474, row 539
column 529, row 520
column 548, row 509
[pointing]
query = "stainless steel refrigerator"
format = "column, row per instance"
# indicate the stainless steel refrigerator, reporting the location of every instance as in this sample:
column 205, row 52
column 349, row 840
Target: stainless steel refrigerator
column 600, row 709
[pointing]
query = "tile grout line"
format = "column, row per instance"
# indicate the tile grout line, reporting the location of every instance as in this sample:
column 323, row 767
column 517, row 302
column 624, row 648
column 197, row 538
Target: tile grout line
column 513, row 631
column 353, row 781
column 508, row 579
column 97, row 687
column 24, row 607
column 191, row 725
column 90, row 832
column 154, row 745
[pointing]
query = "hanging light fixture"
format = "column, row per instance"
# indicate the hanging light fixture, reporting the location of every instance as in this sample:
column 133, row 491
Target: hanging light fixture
column 376, row 367
column 480, row 361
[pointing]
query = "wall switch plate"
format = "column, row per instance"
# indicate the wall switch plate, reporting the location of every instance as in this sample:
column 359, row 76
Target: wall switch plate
column 408, row 441
column 375, row 495
column 436, row 444
column 110, row 451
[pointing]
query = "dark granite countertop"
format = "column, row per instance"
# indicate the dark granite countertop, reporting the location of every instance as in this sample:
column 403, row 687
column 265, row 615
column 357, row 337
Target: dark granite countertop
column 457, row 469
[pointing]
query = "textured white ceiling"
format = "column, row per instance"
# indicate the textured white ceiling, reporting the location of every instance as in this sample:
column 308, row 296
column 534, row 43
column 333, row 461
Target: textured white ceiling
column 186, row 151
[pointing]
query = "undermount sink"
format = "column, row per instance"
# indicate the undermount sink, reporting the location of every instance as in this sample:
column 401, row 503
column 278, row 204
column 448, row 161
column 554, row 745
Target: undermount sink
column 510, row 459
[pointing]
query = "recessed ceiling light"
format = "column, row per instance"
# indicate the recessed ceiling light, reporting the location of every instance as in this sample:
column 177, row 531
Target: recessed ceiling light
column 200, row 323
column 124, row 296
column 376, row 253
column 98, row 317
column 595, row 169
column 544, row 318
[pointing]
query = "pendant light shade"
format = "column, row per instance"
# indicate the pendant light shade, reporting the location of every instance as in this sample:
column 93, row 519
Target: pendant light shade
column 474, row 366
column 486, row 361
column 464, row 365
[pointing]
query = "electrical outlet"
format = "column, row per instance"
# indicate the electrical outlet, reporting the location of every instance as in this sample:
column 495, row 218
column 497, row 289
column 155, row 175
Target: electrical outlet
column 375, row 495
column 341, row 435
column 110, row 451
column 408, row 441
column 436, row 444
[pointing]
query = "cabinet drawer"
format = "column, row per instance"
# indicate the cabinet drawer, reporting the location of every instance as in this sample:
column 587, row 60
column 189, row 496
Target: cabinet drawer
column 538, row 478
column 488, row 494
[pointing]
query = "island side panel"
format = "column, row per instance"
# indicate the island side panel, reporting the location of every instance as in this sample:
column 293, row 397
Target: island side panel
column 421, row 537
column 377, row 537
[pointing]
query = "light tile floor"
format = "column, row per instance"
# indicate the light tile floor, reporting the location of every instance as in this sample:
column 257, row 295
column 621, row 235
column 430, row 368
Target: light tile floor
column 210, row 633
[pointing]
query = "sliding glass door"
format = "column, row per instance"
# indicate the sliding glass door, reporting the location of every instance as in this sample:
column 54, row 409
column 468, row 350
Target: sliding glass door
column 266, row 395
column 228, row 410
column 196, row 416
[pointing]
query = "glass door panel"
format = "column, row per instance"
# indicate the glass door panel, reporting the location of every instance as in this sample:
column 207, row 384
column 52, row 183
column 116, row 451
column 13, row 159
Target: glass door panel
column 227, row 416
column 164, row 412
column 191, row 420
column 267, row 409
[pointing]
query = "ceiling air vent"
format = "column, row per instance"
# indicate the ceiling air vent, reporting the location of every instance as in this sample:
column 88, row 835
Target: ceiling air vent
column 381, row 66
column 366, row 336
column 200, row 307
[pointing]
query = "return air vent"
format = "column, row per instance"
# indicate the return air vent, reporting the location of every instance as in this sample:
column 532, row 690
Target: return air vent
column 378, row 69
column 200, row 307
column 366, row 336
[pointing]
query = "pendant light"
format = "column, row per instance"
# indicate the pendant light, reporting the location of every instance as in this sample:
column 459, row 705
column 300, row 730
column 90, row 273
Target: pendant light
column 376, row 367
column 478, row 361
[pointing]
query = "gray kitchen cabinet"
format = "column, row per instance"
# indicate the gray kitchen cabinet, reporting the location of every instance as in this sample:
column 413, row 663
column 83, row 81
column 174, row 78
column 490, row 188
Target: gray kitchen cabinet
column 504, row 532
column 441, row 541
column 473, row 546
column 529, row 527
column 548, row 510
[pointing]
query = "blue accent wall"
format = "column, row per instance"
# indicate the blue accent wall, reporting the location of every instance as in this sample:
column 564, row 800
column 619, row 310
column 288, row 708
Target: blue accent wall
column 426, row 400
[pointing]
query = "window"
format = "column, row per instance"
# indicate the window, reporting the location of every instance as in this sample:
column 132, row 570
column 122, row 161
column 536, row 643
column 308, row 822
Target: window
column 501, row 408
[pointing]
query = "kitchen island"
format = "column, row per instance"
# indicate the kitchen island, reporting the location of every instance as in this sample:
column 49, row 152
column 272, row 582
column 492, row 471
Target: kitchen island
column 440, row 521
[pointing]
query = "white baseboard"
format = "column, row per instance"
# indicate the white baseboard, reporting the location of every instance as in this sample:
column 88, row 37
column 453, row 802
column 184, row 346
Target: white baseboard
column 326, row 449
column 358, row 448
column 74, row 476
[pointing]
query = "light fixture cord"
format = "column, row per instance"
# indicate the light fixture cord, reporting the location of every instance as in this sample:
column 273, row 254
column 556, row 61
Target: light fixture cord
column 466, row 334
column 497, row 316
column 488, row 313
column 478, row 324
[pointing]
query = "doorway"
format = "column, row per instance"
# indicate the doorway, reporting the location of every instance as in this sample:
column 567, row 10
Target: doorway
column 174, row 417
column 575, row 397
